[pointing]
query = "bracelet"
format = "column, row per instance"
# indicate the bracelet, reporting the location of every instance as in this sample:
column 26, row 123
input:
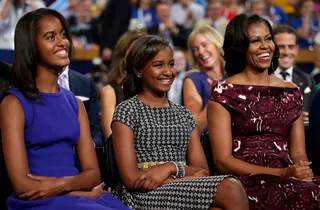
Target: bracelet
column 181, row 172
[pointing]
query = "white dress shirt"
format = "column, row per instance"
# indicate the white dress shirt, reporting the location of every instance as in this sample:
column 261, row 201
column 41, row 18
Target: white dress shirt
column 289, row 71
column 65, row 74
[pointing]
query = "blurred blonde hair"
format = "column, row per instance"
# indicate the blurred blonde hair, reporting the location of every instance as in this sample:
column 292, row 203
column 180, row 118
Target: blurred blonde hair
column 212, row 35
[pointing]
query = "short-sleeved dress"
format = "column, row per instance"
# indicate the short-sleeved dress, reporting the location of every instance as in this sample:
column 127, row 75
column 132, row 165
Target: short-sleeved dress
column 262, row 118
column 51, row 132
column 161, row 135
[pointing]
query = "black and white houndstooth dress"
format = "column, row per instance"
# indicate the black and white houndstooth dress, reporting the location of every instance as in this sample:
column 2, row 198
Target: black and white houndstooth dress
column 163, row 134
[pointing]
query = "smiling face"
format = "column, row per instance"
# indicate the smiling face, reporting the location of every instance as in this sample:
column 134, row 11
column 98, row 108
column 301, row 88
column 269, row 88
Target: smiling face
column 261, row 47
column 52, row 43
column 158, row 74
column 205, row 52
column 288, row 49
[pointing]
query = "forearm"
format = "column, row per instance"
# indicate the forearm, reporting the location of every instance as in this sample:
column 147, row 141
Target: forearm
column 86, row 180
column 5, row 10
column 298, row 158
column 25, row 185
column 201, row 120
column 303, row 32
column 238, row 167
column 190, row 170
column 81, row 193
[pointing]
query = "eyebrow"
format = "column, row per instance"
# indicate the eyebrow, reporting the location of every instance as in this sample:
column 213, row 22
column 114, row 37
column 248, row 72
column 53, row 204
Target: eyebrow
column 259, row 36
column 52, row 32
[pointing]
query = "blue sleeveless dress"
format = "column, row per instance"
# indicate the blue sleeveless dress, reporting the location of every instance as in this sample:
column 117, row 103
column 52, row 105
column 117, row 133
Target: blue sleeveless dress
column 51, row 132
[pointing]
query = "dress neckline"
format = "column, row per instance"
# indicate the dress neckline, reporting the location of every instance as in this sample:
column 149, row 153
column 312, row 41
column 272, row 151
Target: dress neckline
column 260, row 86
column 60, row 92
column 152, row 107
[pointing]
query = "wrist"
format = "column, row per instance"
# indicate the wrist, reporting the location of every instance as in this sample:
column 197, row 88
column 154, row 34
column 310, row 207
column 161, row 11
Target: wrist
column 173, row 169
column 67, row 183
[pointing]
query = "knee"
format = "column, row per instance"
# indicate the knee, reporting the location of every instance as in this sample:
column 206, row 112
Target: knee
column 231, row 187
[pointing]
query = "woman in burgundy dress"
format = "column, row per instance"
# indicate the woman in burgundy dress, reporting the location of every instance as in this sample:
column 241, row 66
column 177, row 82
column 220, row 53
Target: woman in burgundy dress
column 260, row 118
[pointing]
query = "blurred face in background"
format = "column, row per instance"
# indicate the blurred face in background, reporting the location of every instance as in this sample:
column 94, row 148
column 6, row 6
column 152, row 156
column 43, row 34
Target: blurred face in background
column 205, row 52
column 180, row 61
column 258, row 8
column 307, row 8
column 163, row 12
column 214, row 10
column 288, row 48
column 84, row 8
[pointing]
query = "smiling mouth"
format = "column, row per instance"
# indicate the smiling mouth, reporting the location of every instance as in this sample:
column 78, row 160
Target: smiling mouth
column 165, row 81
column 62, row 53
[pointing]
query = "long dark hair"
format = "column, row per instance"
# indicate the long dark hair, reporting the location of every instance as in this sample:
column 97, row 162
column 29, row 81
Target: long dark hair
column 142, row 51
column 236, row 43
column 26, row 55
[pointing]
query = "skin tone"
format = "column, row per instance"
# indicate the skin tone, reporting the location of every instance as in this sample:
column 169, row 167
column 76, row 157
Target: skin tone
column 157, row 76
column 289, row 49
column 163, row 12
column 259, row 56
column 306, row 12
column 214, row 11
column 108, row 105
column 209, row 58
column 53, row 47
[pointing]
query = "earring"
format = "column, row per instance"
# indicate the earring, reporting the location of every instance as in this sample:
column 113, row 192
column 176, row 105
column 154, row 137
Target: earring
column 139, row 75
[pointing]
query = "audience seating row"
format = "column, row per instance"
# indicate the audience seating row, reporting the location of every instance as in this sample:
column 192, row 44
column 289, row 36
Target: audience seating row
column 108, row 166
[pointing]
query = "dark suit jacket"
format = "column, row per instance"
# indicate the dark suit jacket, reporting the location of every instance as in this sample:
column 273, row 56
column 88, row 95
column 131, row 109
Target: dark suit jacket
column 82, row 85
column 307, row 86
column 115, row 21
column 313, row 140
column 4, row 74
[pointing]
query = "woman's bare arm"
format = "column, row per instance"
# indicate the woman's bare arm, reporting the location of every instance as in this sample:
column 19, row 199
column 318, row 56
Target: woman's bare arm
column 12, row 121
column 108, row 104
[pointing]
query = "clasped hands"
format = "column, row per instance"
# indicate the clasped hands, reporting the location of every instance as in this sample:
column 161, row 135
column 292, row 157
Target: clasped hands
column 160, row 174
column 52, row 186
column 301, row 171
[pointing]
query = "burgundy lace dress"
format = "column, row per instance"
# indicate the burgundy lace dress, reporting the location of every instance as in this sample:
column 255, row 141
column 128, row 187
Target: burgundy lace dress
column 262, row 118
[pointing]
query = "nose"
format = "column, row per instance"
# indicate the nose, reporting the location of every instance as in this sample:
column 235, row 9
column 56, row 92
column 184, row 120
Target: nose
column 263, row 45
column 200, row 50
column 61, row 41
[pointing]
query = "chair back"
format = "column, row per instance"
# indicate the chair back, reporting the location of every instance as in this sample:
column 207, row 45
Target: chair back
column 111, row 176
column 205, row 141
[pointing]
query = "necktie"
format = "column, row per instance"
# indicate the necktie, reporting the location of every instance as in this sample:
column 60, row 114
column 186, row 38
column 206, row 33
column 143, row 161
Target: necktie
column 61, row 80
column 284, row 74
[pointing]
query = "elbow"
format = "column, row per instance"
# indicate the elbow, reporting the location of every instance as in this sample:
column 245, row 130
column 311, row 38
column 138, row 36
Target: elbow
column 221, row 166
column 129, row 184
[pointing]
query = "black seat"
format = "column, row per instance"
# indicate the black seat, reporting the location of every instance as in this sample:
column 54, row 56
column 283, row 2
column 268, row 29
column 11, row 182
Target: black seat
column 6, row 187
column 205, row 141
column 110, row 175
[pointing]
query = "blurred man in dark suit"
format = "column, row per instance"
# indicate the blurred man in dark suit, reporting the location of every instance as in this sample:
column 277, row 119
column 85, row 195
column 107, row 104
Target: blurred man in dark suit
column 286, row 40
column 84, row 89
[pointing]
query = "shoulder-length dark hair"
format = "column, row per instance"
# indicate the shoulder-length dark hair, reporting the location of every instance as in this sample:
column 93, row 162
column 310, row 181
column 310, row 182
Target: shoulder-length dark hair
column 26, row 54
column 142, row 51
column 236, row 43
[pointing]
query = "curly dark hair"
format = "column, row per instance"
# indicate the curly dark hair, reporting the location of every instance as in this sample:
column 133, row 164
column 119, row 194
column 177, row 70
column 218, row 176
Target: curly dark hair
column 142, row 51
column 26, row 54
column 236, row 43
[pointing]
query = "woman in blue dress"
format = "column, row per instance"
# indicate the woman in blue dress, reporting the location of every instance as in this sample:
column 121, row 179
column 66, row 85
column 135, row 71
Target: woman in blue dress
column 43, row 125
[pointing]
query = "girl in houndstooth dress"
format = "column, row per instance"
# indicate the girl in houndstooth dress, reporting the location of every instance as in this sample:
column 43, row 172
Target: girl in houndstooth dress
column 149, row 132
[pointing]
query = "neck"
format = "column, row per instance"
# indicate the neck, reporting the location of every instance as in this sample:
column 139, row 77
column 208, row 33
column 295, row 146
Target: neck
column 254, row 77
column 215, row 72
column 144, row 6
column 47, row 80
column 152, row 99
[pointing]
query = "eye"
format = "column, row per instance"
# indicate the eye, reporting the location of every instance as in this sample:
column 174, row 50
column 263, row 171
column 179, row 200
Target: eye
column 254, row 40
column 63, row 34
column 50, row 37
column 158, row 65
column 269, row 38
column 172, row 64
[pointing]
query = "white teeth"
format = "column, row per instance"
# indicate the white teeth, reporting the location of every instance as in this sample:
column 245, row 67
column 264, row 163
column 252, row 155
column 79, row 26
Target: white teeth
column 62, row 52
column 264, row 55
column 205, row 57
